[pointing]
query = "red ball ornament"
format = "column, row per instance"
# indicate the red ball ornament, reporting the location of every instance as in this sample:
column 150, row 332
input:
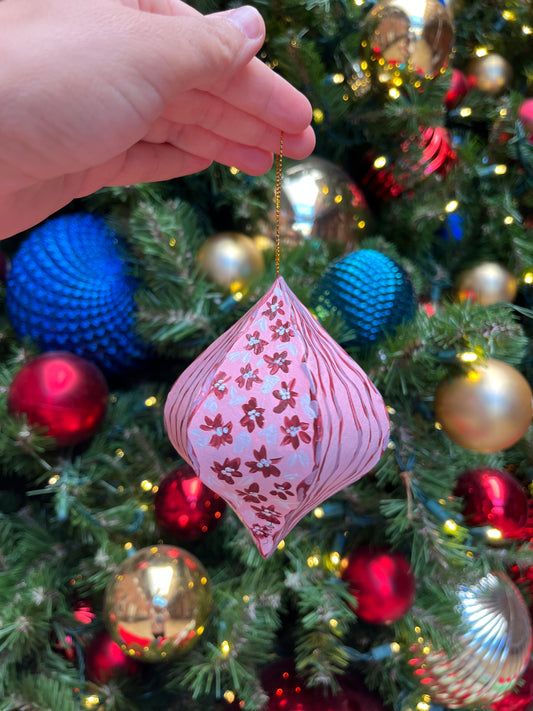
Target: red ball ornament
column 521, row 696
column 104, row 660
column 185, row 507
column 63, row 392
column 493, row 497
column 458, row 90
column 84, row 614
column 382, row 582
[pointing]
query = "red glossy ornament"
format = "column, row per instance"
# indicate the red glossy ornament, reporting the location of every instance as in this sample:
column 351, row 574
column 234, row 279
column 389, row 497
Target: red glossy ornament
column 382, row 582
column 83, row 613
column 185, row 507
column 525, row 114
column 521, row 696
column 63, row 392
column 459, row 88
column 104, row 660
column 493, row 497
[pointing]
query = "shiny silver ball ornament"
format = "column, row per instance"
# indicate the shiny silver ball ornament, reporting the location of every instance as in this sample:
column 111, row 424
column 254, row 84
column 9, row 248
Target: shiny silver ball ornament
column 320, row 201
column 492, row 642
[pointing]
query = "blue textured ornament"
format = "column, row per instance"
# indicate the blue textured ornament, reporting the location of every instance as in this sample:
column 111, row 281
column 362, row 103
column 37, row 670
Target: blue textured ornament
column 369, row 291
column 69, row 289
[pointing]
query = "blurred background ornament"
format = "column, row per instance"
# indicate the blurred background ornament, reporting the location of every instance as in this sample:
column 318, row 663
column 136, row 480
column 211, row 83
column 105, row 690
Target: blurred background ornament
column 406, row 36
column 157, row 603
column 184, row 507
column 287, row 691
column 419, row 156
column 492, row 642
column 320, row 201
column 491, row 73
column 382, row 583
column 525, row 114
column 486, row 283
column 231, row 260
column 70, row 288
column 62, row 392
column 494, row 498
column 105, row 661
column 485, row 408
column 370, row 292
column 459, row 88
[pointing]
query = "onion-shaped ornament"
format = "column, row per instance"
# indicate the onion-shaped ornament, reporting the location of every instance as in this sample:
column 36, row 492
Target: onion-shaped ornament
column 275, row 417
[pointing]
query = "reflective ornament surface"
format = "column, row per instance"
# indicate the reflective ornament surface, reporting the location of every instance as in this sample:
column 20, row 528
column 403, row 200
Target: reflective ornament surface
column 492, row 73
column 382, row 583
column 62, row 392
column 157, row 603
column 415, row 36
column 231, row 260
column 104, row 660
column 369, row 291
column 184, row 507
column 493, row 644
column 493, row 497
column 320, row 201
column 486, row 408
column 487, row 283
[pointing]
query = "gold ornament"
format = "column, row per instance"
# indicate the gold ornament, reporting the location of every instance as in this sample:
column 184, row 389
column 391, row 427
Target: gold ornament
column 485, row 409
column 492, row 73
column 492, row 641
column 406, row 35
column 231, row 260
column 487, row 283
column 320, row 201
column 157, row 603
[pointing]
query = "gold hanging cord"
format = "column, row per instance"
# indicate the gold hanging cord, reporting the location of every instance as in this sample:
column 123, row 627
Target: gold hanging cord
column 279, row 161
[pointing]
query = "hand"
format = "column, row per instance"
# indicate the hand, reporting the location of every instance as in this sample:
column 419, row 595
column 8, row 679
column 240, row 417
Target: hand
column 115, row 92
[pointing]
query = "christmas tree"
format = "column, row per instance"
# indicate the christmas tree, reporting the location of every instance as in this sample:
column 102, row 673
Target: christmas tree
column 398, row 570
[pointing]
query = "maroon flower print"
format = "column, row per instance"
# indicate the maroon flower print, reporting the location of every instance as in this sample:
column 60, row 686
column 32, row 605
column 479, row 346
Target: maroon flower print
column 248, row 377
column 253, row 415
column 286, row 396
column 294, row 432
column 267, row 513
column 274, row 308
column 259, row 531
column 281, row 330
column 278, row 362
column 251, row 494
column 219, row 384
column 227, row 469
column 221, row 432
column 255, row 343
column 263, row 464
column 282, row 489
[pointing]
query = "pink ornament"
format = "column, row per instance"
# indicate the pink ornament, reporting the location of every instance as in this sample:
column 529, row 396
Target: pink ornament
column 275, row 417
column 525, row 114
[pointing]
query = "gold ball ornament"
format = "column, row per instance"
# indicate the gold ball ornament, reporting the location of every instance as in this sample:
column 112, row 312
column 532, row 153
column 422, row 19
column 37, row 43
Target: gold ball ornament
column 231, row 260
column 406, row 36
column 487, row 283
column 485, row 409
column 491, row 74
column 157, row 603
column 320, row 201
column 489, row 649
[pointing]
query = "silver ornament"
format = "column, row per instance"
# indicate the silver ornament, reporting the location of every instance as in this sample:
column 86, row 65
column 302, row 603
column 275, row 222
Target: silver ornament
column 493, row 646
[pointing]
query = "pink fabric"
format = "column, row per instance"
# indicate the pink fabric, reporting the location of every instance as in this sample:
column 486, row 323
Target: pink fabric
column 275, row 417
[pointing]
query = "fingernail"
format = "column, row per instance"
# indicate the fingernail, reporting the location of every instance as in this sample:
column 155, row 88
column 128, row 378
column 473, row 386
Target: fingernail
column 248, row 20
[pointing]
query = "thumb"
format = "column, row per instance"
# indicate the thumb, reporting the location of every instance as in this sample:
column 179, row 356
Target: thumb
column 206, row 51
